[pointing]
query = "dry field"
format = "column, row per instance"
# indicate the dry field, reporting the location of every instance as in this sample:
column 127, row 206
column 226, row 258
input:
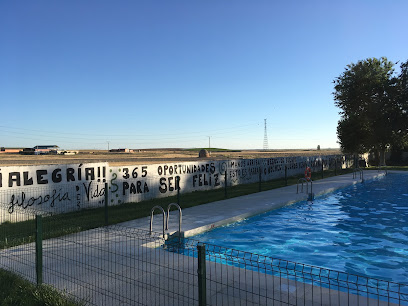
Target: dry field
column 149, row 156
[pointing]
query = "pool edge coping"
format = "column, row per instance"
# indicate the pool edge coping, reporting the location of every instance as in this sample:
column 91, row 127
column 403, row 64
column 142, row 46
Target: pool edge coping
column 272, row 206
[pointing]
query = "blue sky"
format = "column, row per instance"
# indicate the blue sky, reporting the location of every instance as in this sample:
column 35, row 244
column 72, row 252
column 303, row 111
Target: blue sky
column 151, row 74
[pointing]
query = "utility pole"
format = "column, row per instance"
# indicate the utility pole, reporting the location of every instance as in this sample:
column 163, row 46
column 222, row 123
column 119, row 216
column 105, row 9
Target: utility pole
column 209, row 142
column 108, row 145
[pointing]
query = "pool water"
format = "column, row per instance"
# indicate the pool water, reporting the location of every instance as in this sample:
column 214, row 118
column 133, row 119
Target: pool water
column 362, row 229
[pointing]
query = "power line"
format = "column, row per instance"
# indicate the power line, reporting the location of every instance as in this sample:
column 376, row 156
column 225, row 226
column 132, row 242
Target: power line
column 72, row 139
column 185, row 137
column 231, row 129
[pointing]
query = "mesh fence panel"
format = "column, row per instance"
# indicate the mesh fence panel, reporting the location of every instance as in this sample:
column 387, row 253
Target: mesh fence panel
column 242, row 278
column 116, row 265
column 17, row 246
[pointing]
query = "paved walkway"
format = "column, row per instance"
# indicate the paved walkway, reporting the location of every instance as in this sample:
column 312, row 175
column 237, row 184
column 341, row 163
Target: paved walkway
column 201, row 218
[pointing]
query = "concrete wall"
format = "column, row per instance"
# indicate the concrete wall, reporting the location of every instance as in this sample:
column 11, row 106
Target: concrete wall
column 64, row 188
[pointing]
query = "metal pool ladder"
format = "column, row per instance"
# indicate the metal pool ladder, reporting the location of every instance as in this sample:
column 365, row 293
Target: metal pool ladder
column 165, row 217
column 151, row 218
column 385, row 169
column 168, row 215
column 302, row 180
column 310, row 196
column 361, row 173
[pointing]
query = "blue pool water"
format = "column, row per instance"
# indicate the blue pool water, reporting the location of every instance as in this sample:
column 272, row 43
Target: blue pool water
column 362, row 229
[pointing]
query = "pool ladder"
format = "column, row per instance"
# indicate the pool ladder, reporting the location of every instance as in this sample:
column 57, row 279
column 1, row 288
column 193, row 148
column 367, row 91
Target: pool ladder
column 385, row 169
column 166, row 217
column 361, row 174
column 310, row 196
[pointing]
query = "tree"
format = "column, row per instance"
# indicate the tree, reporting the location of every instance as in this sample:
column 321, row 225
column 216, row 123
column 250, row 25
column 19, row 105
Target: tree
column 370, row 99
column 353, row 134
column 399, row 141
column 402, row 133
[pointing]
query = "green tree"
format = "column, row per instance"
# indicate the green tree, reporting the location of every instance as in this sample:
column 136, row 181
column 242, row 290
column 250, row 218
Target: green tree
column 353, row 134
column 367, row 94
column 400, row 136
column 402, row 123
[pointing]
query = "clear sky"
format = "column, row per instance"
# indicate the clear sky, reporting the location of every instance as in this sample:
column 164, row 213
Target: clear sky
column 160, row 73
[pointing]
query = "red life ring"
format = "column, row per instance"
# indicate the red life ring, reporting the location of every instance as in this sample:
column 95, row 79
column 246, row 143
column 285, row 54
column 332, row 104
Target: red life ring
column 308, row 173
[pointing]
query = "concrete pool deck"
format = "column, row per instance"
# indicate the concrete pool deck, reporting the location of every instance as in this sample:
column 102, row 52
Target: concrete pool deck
column 204, row 217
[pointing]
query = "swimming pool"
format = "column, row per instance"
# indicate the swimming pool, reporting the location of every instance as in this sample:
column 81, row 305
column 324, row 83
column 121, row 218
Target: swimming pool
column 362, row 229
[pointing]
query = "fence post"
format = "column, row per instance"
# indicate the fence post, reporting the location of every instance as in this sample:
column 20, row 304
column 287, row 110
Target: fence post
column 178, row 189
column 106, row 203
column 201, row 271
column 225, row 183
column 260, row 179
column 286, row 175
column 335, row 166
column 38, row 249
column 322, row 170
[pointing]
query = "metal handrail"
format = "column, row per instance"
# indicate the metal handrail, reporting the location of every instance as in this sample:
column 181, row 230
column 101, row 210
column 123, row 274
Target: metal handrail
column 361, row 173
column 151, row 218
column 385, row 169
column 302, row 180
column 168, row 215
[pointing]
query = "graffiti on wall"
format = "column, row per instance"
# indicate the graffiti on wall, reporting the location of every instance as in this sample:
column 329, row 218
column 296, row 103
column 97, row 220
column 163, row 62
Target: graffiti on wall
column 136, row 183
column 52, row 188
column 64, row 188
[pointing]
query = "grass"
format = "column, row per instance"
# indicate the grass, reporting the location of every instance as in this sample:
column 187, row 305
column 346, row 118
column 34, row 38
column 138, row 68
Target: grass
column 16, row 291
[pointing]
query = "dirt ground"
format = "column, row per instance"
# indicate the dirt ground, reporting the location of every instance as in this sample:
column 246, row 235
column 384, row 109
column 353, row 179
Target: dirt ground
column 148, row 156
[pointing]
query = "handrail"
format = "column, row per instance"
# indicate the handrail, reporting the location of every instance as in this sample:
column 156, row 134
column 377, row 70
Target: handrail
column 302, row 180
column 168, row 215
column 310, row 196
column 151, row 218
column 385, row 169
column 361, row 173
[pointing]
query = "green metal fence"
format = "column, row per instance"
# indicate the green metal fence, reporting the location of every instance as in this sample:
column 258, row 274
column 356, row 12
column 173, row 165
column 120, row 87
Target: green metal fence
column 92, row 260
column 116, row 265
